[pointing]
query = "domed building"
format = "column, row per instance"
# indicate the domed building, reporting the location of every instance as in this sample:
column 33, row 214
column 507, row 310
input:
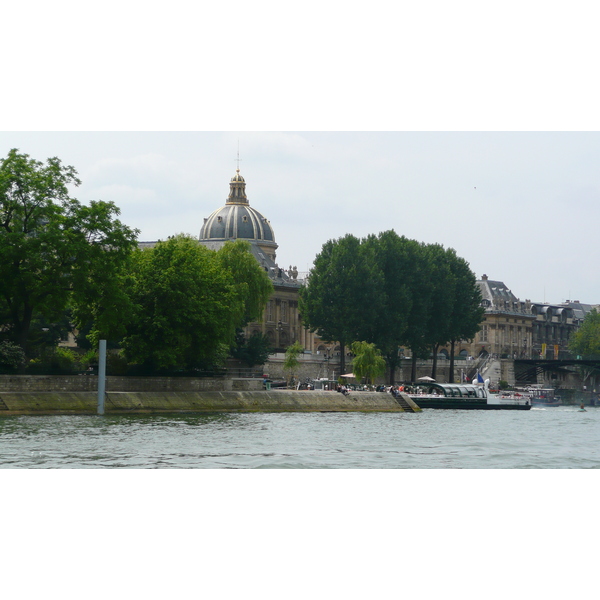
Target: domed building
column 238, row 220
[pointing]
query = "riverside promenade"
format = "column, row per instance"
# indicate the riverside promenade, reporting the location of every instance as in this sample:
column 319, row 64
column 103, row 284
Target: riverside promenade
column 20, row 403
column 22, row 394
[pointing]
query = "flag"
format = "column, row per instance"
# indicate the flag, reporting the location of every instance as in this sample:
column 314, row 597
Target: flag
column 479, row 377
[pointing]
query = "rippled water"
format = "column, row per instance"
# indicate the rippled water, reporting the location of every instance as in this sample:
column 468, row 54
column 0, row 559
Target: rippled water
column 540, row 438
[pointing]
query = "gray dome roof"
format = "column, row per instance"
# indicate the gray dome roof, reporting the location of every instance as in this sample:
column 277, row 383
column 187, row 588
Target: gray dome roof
column 237, row 219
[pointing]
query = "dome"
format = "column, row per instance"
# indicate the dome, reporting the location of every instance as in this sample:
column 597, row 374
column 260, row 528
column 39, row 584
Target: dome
column 237, row 219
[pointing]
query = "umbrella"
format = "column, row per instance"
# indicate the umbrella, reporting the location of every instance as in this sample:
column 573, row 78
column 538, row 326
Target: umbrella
column 348, row 375
column 426, row 378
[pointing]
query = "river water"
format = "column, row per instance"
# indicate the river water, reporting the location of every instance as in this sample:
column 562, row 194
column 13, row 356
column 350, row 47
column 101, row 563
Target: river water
column 552, row 438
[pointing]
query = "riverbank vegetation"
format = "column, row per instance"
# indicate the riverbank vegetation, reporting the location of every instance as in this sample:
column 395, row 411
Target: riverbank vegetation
column 393, row 292
column 66, row 266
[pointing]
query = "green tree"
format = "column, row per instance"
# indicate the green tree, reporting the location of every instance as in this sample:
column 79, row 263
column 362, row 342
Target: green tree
column 53, row 249
column 442, row 291
column 253, row 285
column 12, row 356
column 367, row 362
column 467, row 311
column 344, row 296
column 400, row 321
column 291, row 362
column 586, row 343
column 586, row 340
column 254, row 350
column 186, row 306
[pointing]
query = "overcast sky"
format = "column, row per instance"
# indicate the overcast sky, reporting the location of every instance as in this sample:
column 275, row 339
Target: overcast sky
column 522, row 208
column 400, row 102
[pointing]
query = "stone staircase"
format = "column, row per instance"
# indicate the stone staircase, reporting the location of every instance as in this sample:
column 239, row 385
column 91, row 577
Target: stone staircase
column 492, row 371
column 401, row 399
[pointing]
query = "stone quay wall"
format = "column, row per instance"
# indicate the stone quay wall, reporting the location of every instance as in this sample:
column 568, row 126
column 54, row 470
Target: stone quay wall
column 89, row 383
column 13, row 403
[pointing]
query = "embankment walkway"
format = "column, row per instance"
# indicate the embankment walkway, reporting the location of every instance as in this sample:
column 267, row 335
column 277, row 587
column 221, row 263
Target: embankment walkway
column 18, row 403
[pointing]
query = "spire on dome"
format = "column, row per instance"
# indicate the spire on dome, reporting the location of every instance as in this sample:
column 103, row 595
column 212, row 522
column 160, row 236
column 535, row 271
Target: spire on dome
column 237, row 190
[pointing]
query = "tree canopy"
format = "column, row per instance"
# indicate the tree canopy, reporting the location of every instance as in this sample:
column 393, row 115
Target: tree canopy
column 586, row 340
column 345, row 293
column 252, row 283
column 54, row 250
column 391, row 291
column 291, row 361
column 368, row 362
column 188, row 302
column 254, row 350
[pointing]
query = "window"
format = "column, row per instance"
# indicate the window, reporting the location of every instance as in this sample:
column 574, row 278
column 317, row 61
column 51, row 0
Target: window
column 483, row 334
column 270, row 310
column 284, row 312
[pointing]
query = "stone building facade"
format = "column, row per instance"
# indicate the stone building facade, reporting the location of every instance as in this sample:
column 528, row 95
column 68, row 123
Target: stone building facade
column 513, row 328
column 554, row 326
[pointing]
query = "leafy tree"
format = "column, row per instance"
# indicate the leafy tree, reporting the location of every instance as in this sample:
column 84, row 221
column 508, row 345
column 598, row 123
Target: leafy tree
column 467, row 313
column 441, row 291
column 391, row 291
column 253, row 285
column 367, row 361
column 188, row 302
column 185, row 306
column 400, row 321
column 43, row 333
column 12, row 356
column 344, row 296
column 52, row 248
column 586, row 340
column 254, row 350
column 59, row 359
column 291, row 362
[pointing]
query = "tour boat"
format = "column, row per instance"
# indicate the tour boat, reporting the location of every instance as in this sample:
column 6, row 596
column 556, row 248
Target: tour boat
column 543, row 397
column 466, row 396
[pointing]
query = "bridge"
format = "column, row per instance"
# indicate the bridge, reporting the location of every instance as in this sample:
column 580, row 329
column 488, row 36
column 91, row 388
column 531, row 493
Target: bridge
column 527, row 370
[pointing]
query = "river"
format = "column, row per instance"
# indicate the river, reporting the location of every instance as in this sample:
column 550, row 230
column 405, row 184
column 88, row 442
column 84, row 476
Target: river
column 551, row 438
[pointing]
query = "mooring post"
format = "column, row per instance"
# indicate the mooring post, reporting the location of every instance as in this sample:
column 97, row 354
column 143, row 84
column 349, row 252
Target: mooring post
column 101, row 375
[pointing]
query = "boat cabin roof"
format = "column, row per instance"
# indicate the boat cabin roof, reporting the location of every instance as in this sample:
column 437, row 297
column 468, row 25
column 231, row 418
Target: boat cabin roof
column 456, row 390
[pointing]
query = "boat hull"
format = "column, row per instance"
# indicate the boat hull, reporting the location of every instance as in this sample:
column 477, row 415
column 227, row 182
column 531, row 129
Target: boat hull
column 466, row 404
column 546, row 404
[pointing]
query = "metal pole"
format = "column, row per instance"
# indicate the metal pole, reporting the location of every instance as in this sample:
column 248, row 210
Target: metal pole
column 101, row 375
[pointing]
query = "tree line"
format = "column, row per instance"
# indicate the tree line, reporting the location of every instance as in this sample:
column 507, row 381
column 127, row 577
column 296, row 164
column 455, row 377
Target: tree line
column 64, row 264
column 392, row 292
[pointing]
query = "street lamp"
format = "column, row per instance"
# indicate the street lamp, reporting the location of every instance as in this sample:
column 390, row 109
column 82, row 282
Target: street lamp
column 279, row 330
column 327, row 359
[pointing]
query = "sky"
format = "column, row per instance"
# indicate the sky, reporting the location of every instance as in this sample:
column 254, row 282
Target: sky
column 472, row 127
column 521, row 207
